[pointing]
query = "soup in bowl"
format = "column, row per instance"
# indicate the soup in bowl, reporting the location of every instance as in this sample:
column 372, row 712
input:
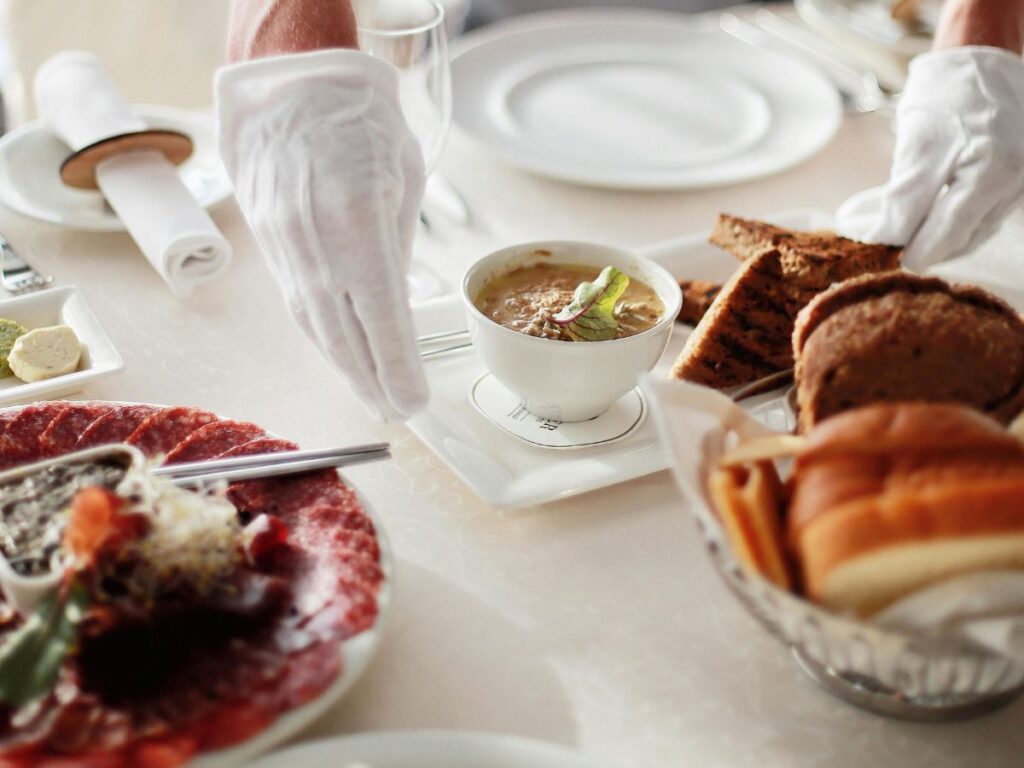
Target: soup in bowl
column 569, row 327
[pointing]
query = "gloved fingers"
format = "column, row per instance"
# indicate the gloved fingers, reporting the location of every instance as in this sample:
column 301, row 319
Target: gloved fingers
column 947, row 231
column 928, row 147
column 857, row 217
column 414, row 182
column 384, row 315
column 340, row 339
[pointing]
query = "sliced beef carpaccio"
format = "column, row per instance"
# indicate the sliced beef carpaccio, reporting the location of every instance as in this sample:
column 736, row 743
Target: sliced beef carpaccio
column 164, row 430
column 115, row 425
column 214, row 439
column 218, row 695
column 20, row 439
column 63, row 433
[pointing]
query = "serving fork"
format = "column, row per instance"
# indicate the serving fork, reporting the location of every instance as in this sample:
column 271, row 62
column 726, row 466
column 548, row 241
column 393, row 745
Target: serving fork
column 16, row 274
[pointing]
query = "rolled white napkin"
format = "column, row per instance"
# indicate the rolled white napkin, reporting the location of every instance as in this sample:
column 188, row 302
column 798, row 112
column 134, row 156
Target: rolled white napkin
column 81, row 105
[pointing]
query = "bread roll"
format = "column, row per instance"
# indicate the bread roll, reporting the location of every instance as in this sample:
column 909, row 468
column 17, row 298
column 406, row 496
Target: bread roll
column 894, row 496
column 899, row 337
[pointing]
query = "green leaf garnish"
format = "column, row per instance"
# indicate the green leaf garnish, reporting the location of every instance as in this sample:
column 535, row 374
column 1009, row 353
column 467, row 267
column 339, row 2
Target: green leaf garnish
column 31, row 657
column 591, row 314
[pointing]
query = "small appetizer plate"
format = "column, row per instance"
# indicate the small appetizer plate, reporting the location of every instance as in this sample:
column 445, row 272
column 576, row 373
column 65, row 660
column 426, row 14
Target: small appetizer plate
column 508, row 472
column 428, row 749
column 31, row 156
column 64, row 305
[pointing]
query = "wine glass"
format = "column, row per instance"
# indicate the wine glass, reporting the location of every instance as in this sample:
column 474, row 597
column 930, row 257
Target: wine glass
column 410, row 34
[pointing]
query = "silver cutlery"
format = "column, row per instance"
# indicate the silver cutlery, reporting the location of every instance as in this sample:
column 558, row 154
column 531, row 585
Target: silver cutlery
column 876, row 95
column 426, row 343
column 16, row 274
column 265, row 465
column 767, row 383
column 858, row 86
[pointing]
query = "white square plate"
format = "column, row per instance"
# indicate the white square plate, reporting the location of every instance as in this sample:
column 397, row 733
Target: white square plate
column 509, row 473
column 64, row 305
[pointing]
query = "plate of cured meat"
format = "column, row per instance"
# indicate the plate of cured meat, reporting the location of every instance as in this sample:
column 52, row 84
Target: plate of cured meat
column 181, row 627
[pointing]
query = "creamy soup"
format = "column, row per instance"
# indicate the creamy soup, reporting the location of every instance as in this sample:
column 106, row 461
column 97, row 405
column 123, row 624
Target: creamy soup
column 526, row 298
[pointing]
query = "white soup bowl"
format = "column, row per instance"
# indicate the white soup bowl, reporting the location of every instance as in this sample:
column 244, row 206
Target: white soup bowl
column 568, row 380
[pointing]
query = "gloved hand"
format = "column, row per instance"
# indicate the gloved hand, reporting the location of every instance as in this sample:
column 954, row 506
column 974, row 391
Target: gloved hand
column 330, row 179
column 958, row 168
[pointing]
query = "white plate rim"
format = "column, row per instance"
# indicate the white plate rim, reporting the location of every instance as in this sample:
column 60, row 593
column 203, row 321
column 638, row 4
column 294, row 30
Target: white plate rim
column 189, row 121
column 356, row 651
column 553, row 755
column 546, row 20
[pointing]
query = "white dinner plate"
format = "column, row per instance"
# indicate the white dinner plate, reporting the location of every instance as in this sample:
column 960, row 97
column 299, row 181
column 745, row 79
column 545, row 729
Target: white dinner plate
column 427, row 749
column 637, row 99
column 510, row 473
column 31, row 156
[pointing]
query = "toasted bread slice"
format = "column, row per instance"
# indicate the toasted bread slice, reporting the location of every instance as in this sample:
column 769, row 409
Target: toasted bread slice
column 746, row 333
column 698, row 296
column 811, row 259
column 749, row 502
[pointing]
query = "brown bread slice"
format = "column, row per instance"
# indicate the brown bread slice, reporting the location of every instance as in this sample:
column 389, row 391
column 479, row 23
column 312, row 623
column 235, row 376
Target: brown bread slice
column 697, row 298
column 746, row 333
column 809, row 258
column 738, row 338
column 900, row 337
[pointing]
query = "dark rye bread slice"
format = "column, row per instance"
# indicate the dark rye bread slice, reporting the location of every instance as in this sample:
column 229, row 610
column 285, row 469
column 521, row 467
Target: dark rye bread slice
column 698, row 296
column 738, row 339
column 813, row 260
column 746, row 333
column 900, row 337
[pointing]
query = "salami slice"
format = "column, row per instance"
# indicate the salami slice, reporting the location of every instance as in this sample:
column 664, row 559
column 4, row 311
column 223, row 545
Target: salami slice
column 20, row 442
column 64, row 431
column 214, row 439
column 115, row 425
column 162, row 431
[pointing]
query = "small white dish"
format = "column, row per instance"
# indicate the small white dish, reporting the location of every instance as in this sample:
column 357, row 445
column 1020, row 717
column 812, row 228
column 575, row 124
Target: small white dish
column 637, row 100
column 510, row 474
column 428, row 749
column 506, row 410
column 64, row 305
column 26, row 592
column 31, row 156
column 568, row 381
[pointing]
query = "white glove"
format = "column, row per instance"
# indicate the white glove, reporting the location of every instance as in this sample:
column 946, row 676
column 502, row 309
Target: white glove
column 960, row 122
column 330, row 179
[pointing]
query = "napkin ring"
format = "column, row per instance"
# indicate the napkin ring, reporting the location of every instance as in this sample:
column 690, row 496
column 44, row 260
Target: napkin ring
column 79, row 169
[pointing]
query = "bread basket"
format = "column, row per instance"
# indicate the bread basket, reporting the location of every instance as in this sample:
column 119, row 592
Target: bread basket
column 932, row 676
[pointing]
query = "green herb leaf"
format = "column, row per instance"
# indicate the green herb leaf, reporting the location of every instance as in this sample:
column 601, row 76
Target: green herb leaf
column 33, row 654
column 591, row 315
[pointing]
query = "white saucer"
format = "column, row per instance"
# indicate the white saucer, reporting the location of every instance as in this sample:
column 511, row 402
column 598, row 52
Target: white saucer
column 427, row 749
column 30, row 159
column 506, row 410
column 637, row 99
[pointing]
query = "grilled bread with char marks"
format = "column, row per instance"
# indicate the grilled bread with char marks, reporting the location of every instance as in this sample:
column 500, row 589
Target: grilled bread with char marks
column 746, row 333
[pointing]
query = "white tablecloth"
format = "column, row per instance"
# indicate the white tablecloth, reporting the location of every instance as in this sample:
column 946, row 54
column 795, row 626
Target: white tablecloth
column 596, row 622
